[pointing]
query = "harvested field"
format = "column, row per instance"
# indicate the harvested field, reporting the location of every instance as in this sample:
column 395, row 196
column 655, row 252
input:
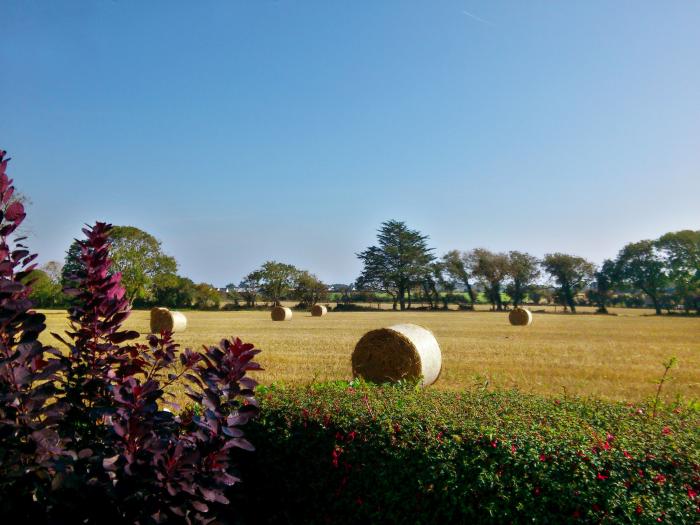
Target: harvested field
column 615, row 357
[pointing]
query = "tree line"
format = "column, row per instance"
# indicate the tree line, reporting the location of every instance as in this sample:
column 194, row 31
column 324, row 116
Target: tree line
column 665, row 270
column 151, row 278
column 401, row 268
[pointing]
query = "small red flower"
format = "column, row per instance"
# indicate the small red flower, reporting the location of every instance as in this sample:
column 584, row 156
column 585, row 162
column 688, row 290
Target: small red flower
column 660, row 479
column 439, row 436
column 639, row 509
column 494, row 443
column 666, row 431
column 692, row 494
column 543, row 457
column 351, row 436
column 627, row 454
column 513, row 448
column 602, row 476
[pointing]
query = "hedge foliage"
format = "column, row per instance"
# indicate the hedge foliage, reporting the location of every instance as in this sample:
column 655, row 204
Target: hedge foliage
column 354, row 453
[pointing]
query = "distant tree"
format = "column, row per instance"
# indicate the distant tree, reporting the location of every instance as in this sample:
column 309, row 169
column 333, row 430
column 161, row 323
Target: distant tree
column 681, row 251
column 492, row 270
column 535, row 295
column 206, row 297
column 45, row 292
column 641, row 266
column 523, row 269
column 457, row 265
column 432, row 282
column 136, row 254
column 72, row 266
column 345, row 291
column 606, row 278
column 309, row 289
column 398, row 262
column 571, row 273
column 250, row 288
column 173, row 291
column 277, row 280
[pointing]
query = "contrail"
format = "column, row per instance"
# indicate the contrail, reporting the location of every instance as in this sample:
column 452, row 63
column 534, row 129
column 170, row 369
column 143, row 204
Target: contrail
column 478, row 19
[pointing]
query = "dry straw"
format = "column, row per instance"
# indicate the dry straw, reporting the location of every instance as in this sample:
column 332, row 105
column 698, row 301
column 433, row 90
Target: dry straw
column 281, row 313
column 520, row 317
column 163, row 319
column 318, row 310
column 402, row 351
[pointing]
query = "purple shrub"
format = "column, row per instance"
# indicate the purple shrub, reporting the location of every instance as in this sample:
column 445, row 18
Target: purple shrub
column 29, row 443
column 85, row 436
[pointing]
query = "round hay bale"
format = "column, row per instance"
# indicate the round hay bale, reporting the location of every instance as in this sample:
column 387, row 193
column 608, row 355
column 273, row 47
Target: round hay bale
column 163, row 319
column 281, row 313
column 520, row 317
column 402, row 351
column 318, row 310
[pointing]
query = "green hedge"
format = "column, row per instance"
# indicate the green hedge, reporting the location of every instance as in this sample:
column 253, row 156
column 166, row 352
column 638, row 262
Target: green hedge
column 336, row 453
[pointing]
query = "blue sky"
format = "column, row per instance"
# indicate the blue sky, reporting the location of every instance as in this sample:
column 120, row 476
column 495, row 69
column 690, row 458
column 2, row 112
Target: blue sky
column 238, row 132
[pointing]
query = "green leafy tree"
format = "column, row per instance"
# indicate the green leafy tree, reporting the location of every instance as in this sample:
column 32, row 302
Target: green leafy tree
column 523, row 270
column 492, row 269
column 251, row 287
column 309, row 289
column 277, row 280
column 136, row 254
column 173, row 291
column 571, row 274
column 681, row 251
column 457, row 266
column 606, row 278
column 641, row 266
column 434, row 282
column 45, row 292
column 398, row 262
column 206, row 297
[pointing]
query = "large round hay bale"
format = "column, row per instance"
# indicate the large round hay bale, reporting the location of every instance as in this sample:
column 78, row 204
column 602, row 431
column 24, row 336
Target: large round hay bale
column 520, row 317
column 402, row 351
column 318, row 310
column 281, row 313
column 163, row 319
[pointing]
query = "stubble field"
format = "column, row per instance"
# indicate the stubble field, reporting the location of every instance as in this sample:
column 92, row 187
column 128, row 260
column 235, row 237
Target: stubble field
column 615, row 357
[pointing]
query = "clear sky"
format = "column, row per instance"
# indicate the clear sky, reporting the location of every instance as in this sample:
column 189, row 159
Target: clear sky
column 238, row 132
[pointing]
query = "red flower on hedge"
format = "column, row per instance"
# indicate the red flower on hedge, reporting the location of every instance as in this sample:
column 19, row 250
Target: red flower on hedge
column 666, row 431
column 660, row 479
column 692, row 494
column 602, row 476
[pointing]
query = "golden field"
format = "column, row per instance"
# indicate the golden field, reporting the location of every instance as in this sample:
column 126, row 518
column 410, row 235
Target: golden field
column 615, row 357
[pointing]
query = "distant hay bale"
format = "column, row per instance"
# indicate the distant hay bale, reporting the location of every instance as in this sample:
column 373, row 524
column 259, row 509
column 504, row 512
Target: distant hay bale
column 281, row 313
column 520, row 317
column 318, row 310
column 163, row 319
column 402, row 351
